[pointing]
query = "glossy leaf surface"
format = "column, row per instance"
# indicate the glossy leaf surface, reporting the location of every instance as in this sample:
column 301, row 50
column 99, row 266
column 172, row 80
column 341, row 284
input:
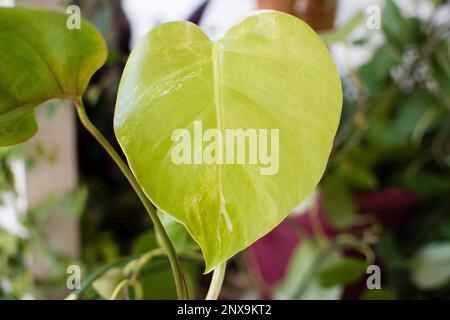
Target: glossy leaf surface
column 268, row 72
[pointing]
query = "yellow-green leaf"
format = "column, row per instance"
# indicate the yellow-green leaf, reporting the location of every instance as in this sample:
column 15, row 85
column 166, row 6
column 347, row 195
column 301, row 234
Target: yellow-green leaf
column 269, row 72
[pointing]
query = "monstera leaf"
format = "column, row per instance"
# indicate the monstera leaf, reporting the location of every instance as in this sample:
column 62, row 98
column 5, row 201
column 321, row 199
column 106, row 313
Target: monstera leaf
column 269, row 74
column 41, row 59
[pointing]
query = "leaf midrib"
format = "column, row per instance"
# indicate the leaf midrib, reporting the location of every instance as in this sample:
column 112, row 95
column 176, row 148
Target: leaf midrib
column 217, row 73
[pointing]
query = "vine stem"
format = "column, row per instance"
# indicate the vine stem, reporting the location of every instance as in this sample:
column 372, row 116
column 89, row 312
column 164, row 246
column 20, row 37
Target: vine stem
column 177, row 270
column 216, row 282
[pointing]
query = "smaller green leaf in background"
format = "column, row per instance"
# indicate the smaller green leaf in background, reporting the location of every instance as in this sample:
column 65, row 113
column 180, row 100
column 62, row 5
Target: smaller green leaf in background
column 156, row 279
column 106, row 284
column 74, row 203
column 357, row 176
column 9, row 244
column 377, row 72
column 354, row 165
column 382, row 294
column 399, row 30
column 424, row 183
column 339, row 205
column 414, row 116
column 440, row 64
column 430, row 266
column 341, row 34
column 301, row 281
column 145, row 242
column 159, row 285
column 344, row 271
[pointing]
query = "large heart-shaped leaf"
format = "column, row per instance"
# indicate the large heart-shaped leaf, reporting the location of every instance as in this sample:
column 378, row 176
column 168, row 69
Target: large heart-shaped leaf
column 41, row 59
column 270, row 71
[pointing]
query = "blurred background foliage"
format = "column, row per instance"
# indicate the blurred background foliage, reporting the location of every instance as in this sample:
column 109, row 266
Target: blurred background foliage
column 23, row 240
column 384, row 198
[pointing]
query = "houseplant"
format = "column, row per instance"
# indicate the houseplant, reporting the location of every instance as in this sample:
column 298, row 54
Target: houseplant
column 284, row 80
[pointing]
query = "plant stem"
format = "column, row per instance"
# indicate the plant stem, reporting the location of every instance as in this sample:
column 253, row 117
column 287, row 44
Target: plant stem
column 122, row 284
column 216, row 282
column 189, row 257
column 165, row 241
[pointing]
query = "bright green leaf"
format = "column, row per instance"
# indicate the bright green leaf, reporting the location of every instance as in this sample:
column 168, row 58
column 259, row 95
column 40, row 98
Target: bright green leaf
column 41, row 59
column 270, row 71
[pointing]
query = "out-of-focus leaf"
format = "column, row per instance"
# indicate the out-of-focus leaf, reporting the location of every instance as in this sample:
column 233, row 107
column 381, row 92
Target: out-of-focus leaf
column 399, row 30
column 394, row 270
column 379, row 294
column 41, row 59
column 301, row 281
column 339, row 205
column 430, row 266
column 382, row 135
column 156, row 278
column 159, row 285
column 8, row 243
column 145, row 242
column 440, row 63
column 341, row 272
column 408, row 122
column 357, row 175
column 106, row 284
column 74, row 202
column 270, row 71
column 425, row 183
column 377, row 72
column 341, row 34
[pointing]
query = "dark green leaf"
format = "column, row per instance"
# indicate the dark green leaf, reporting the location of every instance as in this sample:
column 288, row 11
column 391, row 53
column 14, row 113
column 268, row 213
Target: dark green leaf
column 343, row 271
column 41, row 59
column 399, row 29
column 376, row 73
column 339, row 205
column 425, row 183
column 381, row 294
